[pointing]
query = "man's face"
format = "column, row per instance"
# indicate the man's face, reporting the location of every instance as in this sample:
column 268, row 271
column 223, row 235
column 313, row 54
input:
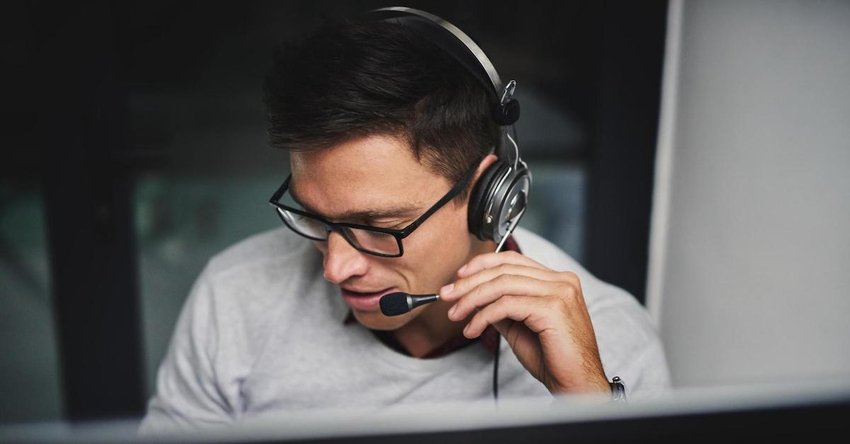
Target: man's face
column 380, row 175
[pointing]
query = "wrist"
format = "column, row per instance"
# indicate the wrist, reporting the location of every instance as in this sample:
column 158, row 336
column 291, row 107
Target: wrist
column 596, row 386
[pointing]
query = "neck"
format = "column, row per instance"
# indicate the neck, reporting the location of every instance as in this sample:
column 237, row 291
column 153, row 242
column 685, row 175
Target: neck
column 429, row 330
column 432, row 328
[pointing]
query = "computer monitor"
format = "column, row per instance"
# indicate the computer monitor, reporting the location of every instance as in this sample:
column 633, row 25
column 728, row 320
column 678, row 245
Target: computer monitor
column 805, row 411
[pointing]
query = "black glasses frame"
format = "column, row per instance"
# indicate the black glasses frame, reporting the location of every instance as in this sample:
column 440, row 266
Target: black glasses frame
column 341, row 227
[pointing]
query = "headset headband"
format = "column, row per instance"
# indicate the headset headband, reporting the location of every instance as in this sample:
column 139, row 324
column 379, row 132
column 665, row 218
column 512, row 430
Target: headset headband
column 499, row 198
column 506, row 108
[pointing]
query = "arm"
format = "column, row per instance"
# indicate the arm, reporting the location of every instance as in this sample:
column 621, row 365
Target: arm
column 544, row 317
column 188, row 394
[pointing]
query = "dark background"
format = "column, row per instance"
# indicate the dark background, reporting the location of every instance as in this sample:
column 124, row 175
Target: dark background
column 133, row 139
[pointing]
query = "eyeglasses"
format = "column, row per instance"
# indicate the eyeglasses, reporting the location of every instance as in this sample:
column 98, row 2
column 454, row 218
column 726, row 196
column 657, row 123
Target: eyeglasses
column 384, row 242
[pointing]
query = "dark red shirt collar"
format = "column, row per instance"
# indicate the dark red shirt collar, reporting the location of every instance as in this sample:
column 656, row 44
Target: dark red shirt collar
column 489, row 339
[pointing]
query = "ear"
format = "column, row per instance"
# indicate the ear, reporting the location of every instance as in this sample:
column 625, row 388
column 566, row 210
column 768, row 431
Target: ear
column 483, row 165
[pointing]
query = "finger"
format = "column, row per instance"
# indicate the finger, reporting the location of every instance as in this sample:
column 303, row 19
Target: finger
column 489, row 260
column 462, row 286
column 507, row 284
column 516, row 308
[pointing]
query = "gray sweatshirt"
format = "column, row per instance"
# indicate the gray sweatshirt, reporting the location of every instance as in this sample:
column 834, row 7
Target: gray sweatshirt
column 262, row 334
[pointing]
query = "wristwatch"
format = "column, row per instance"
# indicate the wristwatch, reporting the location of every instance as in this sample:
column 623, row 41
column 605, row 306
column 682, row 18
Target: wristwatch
column 618, row 390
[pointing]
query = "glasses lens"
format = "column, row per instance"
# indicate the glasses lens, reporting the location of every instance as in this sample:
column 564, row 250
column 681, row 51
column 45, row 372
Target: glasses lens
column 362, row 239
column 303, row 225
column 372, row 241
column 366, row 240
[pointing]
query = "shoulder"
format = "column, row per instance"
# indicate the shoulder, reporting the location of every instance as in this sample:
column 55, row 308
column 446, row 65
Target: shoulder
column 255, row 251
column 260, row 280
column 551, row 256
column 252, row 287
column 542, row 250
column 264, row 260
column 599, row 295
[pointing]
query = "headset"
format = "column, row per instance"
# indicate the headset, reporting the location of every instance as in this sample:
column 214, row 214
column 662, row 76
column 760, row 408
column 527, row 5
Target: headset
column 500, row 197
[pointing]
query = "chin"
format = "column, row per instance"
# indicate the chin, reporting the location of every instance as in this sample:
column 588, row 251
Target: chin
column 375, row 320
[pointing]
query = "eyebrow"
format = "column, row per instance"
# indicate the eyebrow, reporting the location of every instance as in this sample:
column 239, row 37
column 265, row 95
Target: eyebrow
column 368, row 214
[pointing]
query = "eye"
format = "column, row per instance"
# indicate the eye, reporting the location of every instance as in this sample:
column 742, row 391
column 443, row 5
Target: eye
column 394, row 225
column 386, row 223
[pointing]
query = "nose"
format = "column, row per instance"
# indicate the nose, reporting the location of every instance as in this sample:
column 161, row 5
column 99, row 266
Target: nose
column 342, row 261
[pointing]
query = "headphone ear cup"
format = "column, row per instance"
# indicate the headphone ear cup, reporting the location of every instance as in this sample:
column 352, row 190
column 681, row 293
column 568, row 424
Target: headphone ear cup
column 481, row 197
column 506, row 113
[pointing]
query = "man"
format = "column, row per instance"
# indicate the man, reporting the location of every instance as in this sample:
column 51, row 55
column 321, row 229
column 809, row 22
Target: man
column 388, row 137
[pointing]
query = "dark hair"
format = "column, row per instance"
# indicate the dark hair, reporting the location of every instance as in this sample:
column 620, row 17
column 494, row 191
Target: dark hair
column 358, row 79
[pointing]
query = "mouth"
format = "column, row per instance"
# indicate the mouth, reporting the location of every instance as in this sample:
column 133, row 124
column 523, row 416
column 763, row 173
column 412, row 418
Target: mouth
column 364, row 301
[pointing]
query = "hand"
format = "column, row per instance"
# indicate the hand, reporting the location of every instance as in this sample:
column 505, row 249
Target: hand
column 540, row 312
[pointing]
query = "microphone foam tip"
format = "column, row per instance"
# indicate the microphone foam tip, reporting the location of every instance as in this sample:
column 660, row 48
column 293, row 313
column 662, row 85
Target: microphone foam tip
column 394, row 304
